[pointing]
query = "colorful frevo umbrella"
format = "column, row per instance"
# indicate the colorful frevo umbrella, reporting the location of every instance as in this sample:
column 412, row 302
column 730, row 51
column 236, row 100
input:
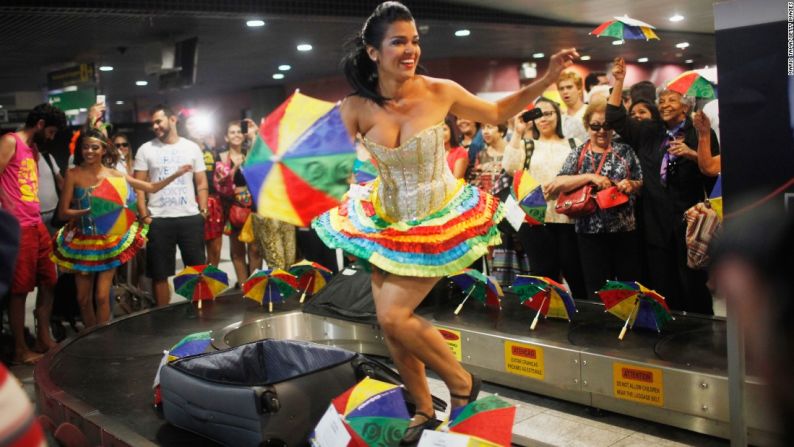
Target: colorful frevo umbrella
column 300, row 161
column 625, row 28
column 545, row 295
column 635, row 304
column 694, row 83
column 364, row 171
column 272, row 285
column 715, row 198
column 488, row 420
column 109, row 206
column 311, row 277
column 374, row 413
column 200, row 282
column 192, row 344
column 483, row 288
column 529, row 195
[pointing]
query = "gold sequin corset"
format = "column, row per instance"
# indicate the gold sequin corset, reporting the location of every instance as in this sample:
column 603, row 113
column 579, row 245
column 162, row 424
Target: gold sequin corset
column 414, row 179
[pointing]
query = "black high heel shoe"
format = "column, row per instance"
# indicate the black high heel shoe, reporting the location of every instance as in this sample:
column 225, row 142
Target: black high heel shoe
column 476, row 384
column 413, row 433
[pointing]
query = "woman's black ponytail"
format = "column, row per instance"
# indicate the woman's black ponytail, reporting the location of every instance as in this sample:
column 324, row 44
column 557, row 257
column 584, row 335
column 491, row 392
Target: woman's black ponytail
column 360, row 71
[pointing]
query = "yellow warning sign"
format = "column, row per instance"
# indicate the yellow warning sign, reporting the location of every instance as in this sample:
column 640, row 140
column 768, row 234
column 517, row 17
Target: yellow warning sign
column 452, row 337
column 524, row 360
column 638, row 384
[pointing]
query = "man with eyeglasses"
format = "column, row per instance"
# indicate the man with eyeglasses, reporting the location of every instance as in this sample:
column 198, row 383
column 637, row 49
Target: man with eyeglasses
column 667, row 150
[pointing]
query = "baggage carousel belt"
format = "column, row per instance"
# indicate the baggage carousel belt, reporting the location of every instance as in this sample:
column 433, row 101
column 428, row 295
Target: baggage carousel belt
column 111, row 368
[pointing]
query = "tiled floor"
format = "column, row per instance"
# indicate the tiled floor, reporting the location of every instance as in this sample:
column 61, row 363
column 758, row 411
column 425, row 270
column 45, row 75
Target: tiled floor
column 543, row 421
column 539, row 420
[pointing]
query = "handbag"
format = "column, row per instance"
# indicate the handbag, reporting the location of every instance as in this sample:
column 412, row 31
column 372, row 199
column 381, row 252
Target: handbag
column 577, row 203
column 223, row 179
column 610, row 198
column 240, row 209
column 581, row 201
column 702, row 224
column 238, row 215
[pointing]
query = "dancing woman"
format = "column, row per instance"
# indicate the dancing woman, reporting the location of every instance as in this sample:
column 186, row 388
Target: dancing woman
column 419, row 223
column 79, row 246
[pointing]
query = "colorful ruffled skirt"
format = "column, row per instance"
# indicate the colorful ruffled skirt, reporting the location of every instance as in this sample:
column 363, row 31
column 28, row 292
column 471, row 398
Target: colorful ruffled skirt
column 439, row 244
column 85, row 253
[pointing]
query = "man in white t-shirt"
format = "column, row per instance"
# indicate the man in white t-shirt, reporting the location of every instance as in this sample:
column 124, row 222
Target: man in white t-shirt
column 174, row 216
column 569, row 85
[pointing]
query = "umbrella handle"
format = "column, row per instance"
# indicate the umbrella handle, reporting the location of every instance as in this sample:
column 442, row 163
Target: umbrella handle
column 537, row 315
column 199, row 304
column 626, row 325
column 303, row 295
column 269, row 302
column 460, row 306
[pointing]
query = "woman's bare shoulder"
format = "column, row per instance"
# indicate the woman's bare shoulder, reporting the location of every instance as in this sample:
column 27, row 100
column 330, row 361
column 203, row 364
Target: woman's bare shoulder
column 437, row 84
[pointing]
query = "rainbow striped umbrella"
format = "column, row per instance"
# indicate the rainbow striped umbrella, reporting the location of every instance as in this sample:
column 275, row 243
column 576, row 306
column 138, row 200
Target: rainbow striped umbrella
column 200, row 282
column 110, row 206
column 694, row 83
column 364, row 171
column 488, row 420
column 529, row 195
column 636, row 304
column 275, row 285
column 545, row 295
column 300, row 161
column 374, row 413
column 192, row 344
column 483, row 288
column 625, row 28
column 715, row 198
column 311, row 277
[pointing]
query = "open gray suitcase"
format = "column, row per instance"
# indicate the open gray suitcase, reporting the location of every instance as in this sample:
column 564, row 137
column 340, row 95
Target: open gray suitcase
column 269, row 392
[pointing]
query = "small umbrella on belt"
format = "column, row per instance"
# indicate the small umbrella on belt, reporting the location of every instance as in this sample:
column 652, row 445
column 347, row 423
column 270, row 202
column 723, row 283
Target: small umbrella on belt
column 311, row 277
column 200, row 282
column 483, row 288
column 274, row 285
column 635, row 304
column 545, row 295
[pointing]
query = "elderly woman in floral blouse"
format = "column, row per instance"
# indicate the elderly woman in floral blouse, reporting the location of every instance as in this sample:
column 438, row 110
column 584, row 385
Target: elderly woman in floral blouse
column 608, row 241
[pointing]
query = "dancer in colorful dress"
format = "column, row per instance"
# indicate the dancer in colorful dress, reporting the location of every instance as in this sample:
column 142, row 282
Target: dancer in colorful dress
column 419, row 222
column 80, row 246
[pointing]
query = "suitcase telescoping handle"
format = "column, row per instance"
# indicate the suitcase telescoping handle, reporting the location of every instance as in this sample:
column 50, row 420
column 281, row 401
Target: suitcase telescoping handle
column 266, row 400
